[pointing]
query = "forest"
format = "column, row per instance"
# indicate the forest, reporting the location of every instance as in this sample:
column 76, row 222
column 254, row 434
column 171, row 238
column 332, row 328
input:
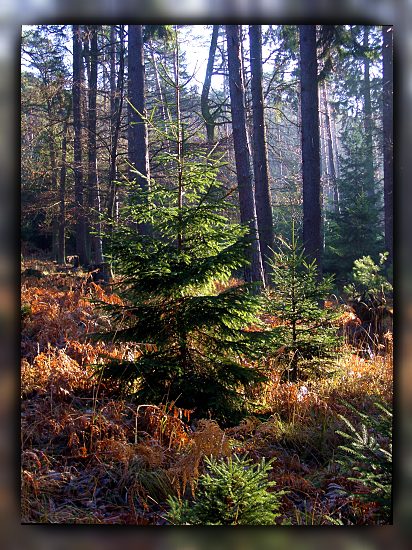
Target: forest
column 206, row 274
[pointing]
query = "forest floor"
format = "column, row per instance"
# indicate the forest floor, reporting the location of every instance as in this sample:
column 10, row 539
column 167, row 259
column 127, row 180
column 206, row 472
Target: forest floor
column 91, row 456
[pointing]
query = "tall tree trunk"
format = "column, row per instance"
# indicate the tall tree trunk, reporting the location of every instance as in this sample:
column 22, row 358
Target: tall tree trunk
column 78, row 168
column 330, row 150
column 280, row 151
column 116, row 104
column 179, row 141
column 113, row 144
column 370, row 183
column 85, row 108
column 112, row 71
column 204, row 99
column 53, row 177
column 387, row 31
column 226, row 94
column 242, row 153
column 137, row 130
column 260, row 156
column 85, row 78
column 312, row 223
column 61, row 258
column 93, row 184
column 324, row 166
column 334, row 142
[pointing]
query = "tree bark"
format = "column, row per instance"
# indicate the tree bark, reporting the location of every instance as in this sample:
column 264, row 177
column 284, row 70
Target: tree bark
column 204, row 99
column 242, row 153
column 387, row 31
column 116, row 104
column 260, row 156
column 61, row 258
column 137, row 130
column 330, row 150
column 179, row 142
column 53, row 177
column 312, row 234
column 93, row 183
column 78, row 167
column 370, row 183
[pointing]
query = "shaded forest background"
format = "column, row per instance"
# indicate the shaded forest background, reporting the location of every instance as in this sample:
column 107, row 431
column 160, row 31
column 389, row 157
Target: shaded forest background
column 77, row 143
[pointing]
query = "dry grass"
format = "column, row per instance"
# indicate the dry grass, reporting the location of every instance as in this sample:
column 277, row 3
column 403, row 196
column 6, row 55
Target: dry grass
column 90, row 457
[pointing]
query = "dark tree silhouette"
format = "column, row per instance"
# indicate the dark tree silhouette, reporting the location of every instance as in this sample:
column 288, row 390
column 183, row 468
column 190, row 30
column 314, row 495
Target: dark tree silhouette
column 312, row 236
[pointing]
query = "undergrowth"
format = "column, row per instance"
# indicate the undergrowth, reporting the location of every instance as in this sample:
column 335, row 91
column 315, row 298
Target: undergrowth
column 91, row 456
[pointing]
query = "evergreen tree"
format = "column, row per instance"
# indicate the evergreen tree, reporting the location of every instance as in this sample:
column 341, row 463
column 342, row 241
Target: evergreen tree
column 356, row 230
column 306, row 333
column 191, row 335
column 232, row 492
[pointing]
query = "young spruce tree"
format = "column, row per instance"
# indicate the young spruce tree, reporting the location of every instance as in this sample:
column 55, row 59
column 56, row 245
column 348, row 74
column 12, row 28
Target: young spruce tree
column 231, row 492
column 306, row 333
column 189, row 332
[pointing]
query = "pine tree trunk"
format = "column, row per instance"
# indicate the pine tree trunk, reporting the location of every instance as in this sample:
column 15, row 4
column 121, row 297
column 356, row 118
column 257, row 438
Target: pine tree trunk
column 325, row 176
column 137, row 131
column 78, row 167
column 116, row 104
column 330, row 151
column 324, row 166
column 312, row 223
column 335, row 143
column 370, row 183
column 242, row 153
column 85, row 78
column 112, row 67
column 280, row 152
column 61, row 258
column 387, row 31
column 204, row 99
column 179, row 141
column 93, row 184
column 113, row 144
column 53, row 177
column 260, row 157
